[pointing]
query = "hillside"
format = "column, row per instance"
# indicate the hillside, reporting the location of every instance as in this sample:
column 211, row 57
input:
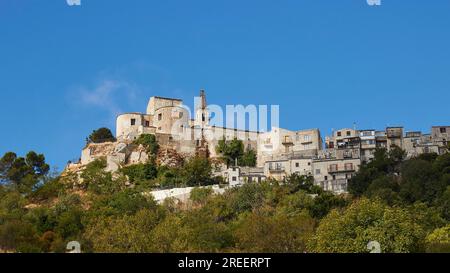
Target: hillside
column 402, row 204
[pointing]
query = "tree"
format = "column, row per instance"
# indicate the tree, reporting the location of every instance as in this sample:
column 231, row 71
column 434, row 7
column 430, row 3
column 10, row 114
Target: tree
column 128, row 201
column 245, row 198
column 419, row 183
column 301, row 182
column 439, row 240
column 248, row 159
column 201, row 232
column 324, row 203
column 274, row 234
column 123, row 233
column 140, row 172
column 101, row 135
column 230, row 150
column 23, row 173
column 396, row 229
column 200, row 195
column 197, row 172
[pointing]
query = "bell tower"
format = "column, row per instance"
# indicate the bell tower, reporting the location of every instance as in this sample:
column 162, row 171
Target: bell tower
column 201, row 122
column 201, row 111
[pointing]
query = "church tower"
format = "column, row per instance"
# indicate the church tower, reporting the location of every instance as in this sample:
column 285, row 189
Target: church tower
column 201, row 111
column 201, row 122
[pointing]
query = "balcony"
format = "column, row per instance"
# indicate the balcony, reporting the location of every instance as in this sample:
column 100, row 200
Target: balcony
column 287, row 141
column 340, row 169
column 276, row 169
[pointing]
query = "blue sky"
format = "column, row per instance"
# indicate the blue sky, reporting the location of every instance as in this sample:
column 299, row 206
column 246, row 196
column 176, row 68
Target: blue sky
column 66, row 70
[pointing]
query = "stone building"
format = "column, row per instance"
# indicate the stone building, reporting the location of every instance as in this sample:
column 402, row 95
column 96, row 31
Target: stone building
column 287, row 165
column 440, row 135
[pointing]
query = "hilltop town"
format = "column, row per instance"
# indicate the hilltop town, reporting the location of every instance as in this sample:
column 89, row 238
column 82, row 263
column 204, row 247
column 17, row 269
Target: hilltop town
column 279, row 152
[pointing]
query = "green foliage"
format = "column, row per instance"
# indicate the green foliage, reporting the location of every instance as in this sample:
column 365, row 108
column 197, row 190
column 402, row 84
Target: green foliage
column 367, row 220
column 101, row 135
column 170, row 177
column 403, row 204
column 234, row 150
column 128, row 201
column 421, row 179
column 140, row 172
column 97, row 180
column 201, row 232
column 129, row 233
column 248, row 158
column 48, row 190
column 149, row 142
column 197, row 172
column 23, row 173
column 301, row 182
column 230, row 150
column 19, row 236
column 439, row 240
column 324, row 203
column 200, row 195
column 277, row 233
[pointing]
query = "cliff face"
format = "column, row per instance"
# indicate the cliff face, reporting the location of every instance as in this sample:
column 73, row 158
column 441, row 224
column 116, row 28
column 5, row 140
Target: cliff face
column 120, row 154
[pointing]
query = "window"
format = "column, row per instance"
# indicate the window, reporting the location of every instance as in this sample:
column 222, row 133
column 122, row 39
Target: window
column 317, row 171
column 233, row 178
column 307, row 138
column 147, row 123
column 180, row 114
column 159, row 116
column 203, row 117
column 339, row 134
column 334, row 177
column 325, row 177
column 297, row 164
column 443, row 130
column 309, row 163
column 133, row 122
column 349, row 133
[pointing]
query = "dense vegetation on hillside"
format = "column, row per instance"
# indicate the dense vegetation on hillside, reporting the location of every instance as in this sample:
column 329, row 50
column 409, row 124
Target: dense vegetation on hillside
column 404, row 205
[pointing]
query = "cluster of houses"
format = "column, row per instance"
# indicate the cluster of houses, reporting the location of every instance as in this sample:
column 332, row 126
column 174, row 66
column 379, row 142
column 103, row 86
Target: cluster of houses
column 342, row 155
column 280, row 152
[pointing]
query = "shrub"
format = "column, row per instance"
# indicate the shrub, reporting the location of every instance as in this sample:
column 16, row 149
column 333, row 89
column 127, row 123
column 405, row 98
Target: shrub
column 140, row 172
column 149, row 142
